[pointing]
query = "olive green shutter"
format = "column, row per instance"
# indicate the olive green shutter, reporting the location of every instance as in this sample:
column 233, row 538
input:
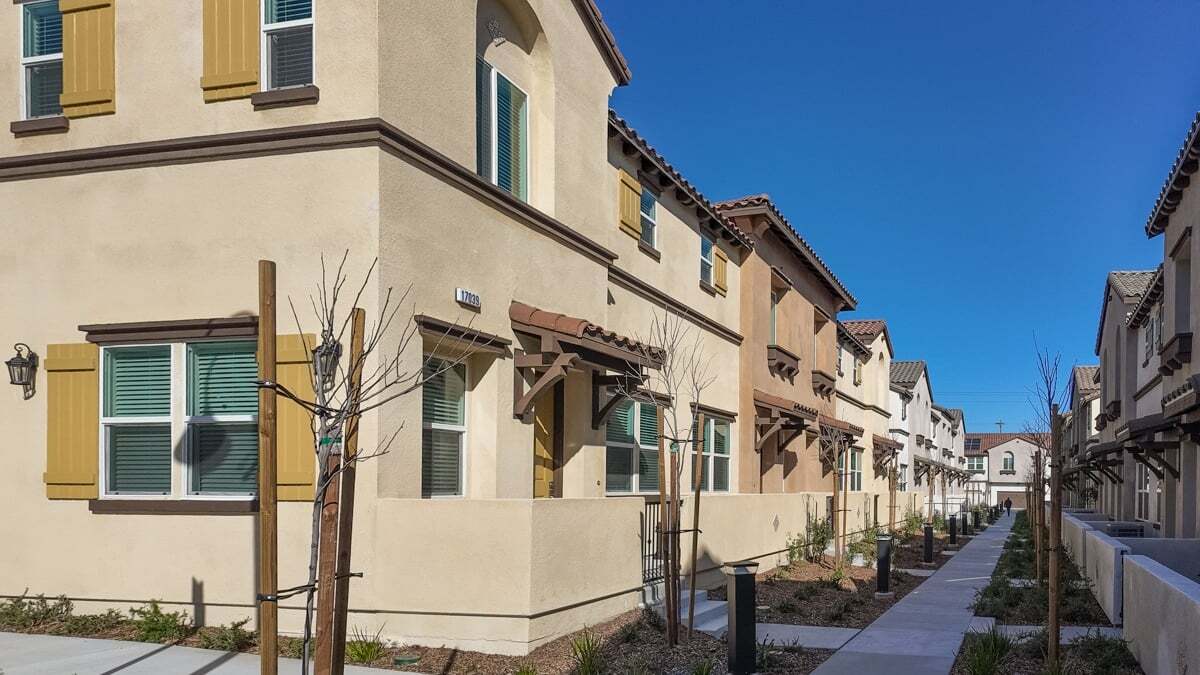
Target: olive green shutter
column 629, row 199
column 231, row 43
column 89, row 72
column 72, row 421
column 296, row 461
column 720, row 270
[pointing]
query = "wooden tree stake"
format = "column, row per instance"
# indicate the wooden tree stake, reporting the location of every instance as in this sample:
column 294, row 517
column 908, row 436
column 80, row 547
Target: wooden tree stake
column 341, row 596
column 268, row 542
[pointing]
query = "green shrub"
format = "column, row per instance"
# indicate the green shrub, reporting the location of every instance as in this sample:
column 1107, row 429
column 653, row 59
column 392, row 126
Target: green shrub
column 290, row 647
column 705, row 667
column 865, row 545
column 155, row 625
column 786, row 607
column 820, row 533
column 939, row 522
column 912, row 524
column 90, row 624
column 364, row 647
column 23, row 613
column 526, row 669
column 984, row 653
column 1102, row 654
column 585, row 653
column 231, row 638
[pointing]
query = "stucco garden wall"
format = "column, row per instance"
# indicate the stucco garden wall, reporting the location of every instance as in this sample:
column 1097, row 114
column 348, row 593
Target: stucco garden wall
column 1162, row 617
column 1103, row 555
column 1181, row 555
column 1073, row 533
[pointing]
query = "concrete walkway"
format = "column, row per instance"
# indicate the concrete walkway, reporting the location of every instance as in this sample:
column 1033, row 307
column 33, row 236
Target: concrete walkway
column 55, row 655
column 922, row 632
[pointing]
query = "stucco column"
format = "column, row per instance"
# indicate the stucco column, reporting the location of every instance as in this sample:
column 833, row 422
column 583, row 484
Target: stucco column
column 1189, row 473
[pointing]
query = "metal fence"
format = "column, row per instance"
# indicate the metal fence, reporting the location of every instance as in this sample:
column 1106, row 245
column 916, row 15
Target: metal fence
column 652, row 543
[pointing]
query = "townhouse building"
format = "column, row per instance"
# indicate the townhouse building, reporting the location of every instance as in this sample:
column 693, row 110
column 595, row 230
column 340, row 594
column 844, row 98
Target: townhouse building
column 1080, row 434
column 1005, row 465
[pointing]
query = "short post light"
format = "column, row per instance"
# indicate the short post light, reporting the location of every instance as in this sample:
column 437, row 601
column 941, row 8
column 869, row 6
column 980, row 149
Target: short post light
column 22, row 369
column 927, row 558
column 742, row 641
column 883, row 565
column 325, row 362
column 953, row 530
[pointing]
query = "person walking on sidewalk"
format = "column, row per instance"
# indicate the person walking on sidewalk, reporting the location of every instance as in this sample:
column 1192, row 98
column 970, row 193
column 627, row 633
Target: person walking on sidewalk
column 1008, row 505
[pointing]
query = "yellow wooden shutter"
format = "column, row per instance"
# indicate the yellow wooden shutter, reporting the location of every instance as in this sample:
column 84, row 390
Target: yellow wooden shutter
column 89, row 73
column 720, row 270
column 72, row 421
column 629, row 200
column 296, row 462
column 231, row 41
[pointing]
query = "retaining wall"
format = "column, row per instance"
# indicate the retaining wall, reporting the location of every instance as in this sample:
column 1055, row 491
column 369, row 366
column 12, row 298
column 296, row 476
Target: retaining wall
column 1162, row 617
column 1103, row 555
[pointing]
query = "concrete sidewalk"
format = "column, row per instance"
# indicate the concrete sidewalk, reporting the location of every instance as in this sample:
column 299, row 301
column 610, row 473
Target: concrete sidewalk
column 922, row 632
column 55, row 655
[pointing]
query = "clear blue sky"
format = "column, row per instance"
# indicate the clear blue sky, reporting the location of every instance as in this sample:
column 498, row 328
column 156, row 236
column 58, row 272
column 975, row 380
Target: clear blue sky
column 971, row 171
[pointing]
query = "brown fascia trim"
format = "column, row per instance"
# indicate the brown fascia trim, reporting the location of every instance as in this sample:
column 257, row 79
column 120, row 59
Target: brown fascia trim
column 861, row 404
column 40, row 126
column 368, row 132
column 626, row 280
column 475, row 340
column 174, row 507
column 605, row 41
column 1178, row 180
column 284, row 98
column 165, row 331
column 710, row 411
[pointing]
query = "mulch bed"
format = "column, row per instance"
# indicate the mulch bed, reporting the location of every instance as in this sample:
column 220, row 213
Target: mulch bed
column 806, row 594
column 1088, row 656
column 908, row 553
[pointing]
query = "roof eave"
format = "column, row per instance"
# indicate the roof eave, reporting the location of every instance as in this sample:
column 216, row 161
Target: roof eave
column 1171, row 194
column 605, row 41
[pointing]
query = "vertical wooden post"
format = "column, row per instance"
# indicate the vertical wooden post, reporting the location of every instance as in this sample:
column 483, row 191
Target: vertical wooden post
column 836, row 516
column 892, row 495
column 697, row 465
column 1035, row 514
column 1055, row 533
column 327, row 563
column 673, row 542
column 341, row 595
column 663, row 527
column 268, row 542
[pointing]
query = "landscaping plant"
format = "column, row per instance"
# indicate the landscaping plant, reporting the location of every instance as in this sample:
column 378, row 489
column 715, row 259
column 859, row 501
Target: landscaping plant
column 231, row 638
column 155, row 625
column 984, row 653
column 585, row 652
column 820, row 533
column 365, row 648
column 20, row 613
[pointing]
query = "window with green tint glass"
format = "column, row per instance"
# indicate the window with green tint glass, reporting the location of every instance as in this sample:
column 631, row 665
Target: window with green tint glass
column 631, row 448
column 502, row 131
column 41, row 58
column 444, row 427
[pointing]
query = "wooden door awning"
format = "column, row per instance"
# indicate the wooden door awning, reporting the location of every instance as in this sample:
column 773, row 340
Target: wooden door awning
column 885, row 450
column 565, row 343
column 775, row 415
column 842, row 426
column 1101, row 450
column 1183, row 399
column 463, row 337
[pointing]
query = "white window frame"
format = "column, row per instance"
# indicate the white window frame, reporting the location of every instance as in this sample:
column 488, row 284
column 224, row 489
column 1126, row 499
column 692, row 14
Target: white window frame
column 180, row 423
column 903, row 478
column 27, row 61
column 708, row 455
column 651, row 217
column 463, row 429
column 710, row 260
column 277, row 27
column 1142, row 493
column 975, row 464
column 851, row 478
column 634, row 448
column 493, row 123
column 1008, row 462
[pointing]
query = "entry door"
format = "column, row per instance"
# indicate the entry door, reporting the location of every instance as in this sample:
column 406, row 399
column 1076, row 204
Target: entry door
column 543, row 444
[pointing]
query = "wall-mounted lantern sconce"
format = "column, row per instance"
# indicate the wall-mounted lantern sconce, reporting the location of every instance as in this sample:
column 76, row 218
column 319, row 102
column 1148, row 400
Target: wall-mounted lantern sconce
column 22, row 369
column 325, row 361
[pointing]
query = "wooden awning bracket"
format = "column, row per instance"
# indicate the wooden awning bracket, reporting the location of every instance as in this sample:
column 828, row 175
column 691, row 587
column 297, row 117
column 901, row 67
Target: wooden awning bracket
column 1161, row 459
column 1141, row 459
column 555, row 369
column 1109, row 473
column 619, row 386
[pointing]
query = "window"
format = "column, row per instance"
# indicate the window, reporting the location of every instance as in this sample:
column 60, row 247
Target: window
column 774, row 306
column 851, row 481
column 1009, row 463
column 502, row 131
column 1158, row 329
column 287, row 43
column 41, row 58
column 1143, row 492
column 443, row 428
column 975, row 464
column 631, row 455
column 839, row 359
column 706, row 259
column 857, row 371
column 714, row 472
column 218, row 432
column 903, row 478
column 649, row 213
column 1148, row 334
column 903, row 409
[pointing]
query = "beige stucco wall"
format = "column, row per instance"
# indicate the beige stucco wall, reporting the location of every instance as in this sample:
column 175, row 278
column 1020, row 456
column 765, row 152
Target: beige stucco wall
column 1162, row 616
column 865, row 404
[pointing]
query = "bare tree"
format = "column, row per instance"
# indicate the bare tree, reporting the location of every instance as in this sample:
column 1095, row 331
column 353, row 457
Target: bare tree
column 835, row 444
column 343, row 391
column 682, row 373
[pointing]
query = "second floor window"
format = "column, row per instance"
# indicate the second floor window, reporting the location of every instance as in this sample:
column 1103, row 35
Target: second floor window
column 857, row 371
column 287, row 43
column 1010, row 463
column 502, row 131
column 903, row 478
column 706, row 260
column 41, row 58
column 774, row 329
column 975, row 464
column 649, row 213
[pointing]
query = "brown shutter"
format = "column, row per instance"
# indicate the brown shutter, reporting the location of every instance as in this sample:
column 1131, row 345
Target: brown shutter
column 720, row 270
column 89, row 74
column 72, row 421
column 629, row 200
column 297, row 464
column 231, row 42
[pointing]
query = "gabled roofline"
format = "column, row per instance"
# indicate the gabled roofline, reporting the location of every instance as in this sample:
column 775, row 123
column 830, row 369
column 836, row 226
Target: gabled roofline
column 887, row 335
column 667, row 176
column 1187, row 160
column 1141, row 311
column 1108, row 283
column 605, row 41
column 855, row 344
column 763, row 204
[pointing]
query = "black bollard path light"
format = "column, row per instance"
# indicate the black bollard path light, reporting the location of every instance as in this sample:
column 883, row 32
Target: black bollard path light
column 927, row 558
column 965, row 524
column 953, row 528
column 883, row 566
column 740, row 639
column 975, row 518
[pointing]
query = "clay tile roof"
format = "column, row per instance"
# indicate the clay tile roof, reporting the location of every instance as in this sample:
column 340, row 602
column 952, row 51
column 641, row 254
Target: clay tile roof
column 608, row 44
column 806, row 251
column 869, row 329
column 906, row 373
column 1186, row 163
column 989, row 441
column 784, row 405
column 881, row 442
column 1130, row 285
column 619, row 126
column 844, row 427
column 1085, row 379
column 533, row 317
column 1153, row 294
column 846, row 337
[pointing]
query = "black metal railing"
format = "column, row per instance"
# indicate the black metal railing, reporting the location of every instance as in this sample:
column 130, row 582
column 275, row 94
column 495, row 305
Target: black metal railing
column 652, row 543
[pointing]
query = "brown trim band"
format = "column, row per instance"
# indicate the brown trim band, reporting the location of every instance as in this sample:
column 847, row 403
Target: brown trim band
column 477, row 340
column 163, row 331
column 710, row 411
column 368, row 132
column 1154, row 381
column 283, row 98
column 39, row 126
column 174, row 507
column 626, row 280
